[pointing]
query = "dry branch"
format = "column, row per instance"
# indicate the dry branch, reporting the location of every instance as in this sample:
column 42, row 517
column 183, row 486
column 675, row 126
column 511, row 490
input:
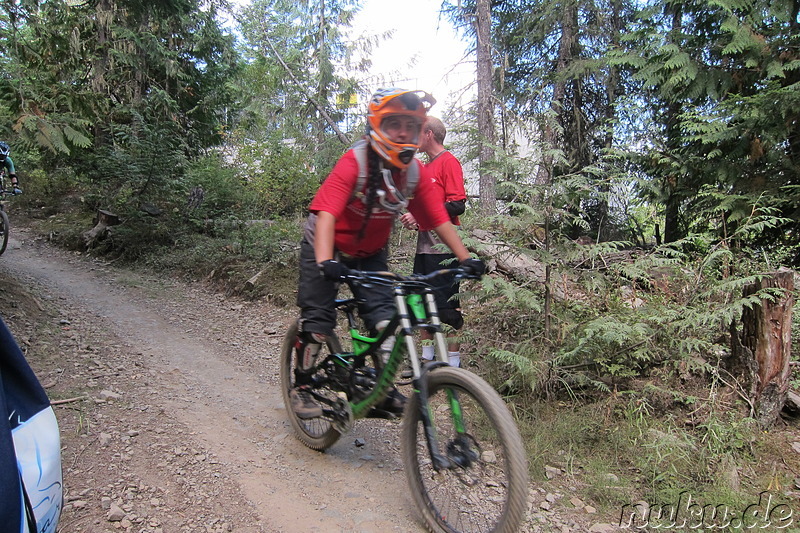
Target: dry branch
column 69, row 400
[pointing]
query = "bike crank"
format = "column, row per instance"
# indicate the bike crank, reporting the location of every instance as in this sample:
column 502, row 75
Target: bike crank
column 342, row 414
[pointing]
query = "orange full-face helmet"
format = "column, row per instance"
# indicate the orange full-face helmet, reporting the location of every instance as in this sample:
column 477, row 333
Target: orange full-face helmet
column 392, row 104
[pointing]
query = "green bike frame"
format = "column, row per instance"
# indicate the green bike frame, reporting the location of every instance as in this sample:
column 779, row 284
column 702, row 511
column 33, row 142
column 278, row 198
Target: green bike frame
column 421, row 308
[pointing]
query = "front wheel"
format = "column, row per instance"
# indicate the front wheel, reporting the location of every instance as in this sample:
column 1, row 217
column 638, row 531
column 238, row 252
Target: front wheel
column 3, row 230
column 485, row 487
column 316, row 433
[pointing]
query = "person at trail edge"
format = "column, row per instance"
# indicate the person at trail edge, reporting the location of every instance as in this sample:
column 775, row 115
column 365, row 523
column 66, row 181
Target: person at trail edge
column 5, row 160
column 350, row 223
column 447, row 174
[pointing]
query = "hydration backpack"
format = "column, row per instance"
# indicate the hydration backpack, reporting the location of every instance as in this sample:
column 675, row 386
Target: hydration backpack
column 31, row 490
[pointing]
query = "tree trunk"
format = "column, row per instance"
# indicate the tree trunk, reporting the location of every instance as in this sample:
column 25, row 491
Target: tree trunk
column 672, row 231
column 764, row 346
column 672, row 183
column 553, row 139
column 612, row 88
column 104, row 17
column 488, row 186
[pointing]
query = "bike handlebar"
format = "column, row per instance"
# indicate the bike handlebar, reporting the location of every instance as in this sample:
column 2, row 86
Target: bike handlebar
column 390, row 278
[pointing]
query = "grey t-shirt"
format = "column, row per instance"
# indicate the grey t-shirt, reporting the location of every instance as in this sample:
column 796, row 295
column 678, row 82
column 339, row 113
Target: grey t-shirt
column 427, row 241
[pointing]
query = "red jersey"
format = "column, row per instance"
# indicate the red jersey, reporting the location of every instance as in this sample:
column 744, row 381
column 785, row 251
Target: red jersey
column 335, row 196
column 446, row 172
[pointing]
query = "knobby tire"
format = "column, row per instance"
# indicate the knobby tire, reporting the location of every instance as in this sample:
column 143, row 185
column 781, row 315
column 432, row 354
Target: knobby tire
column 4, row 228
column 316, row 433
column 491, row 493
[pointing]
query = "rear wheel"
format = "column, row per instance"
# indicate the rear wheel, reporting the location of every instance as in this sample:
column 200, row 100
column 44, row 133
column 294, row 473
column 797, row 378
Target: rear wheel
column 486, row 487
column 3, row 230
column 317, row 433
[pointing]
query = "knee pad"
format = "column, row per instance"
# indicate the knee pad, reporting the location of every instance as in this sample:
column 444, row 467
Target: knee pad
column 307, row 347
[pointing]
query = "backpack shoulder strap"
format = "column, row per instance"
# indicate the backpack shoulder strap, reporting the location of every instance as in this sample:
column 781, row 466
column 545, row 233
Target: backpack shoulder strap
column 412, row 178
column 360, row 150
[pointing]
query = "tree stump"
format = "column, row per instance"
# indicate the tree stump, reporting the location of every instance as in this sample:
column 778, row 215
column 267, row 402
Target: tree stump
column 764, row 346
column 195, row 198
column 103, row 221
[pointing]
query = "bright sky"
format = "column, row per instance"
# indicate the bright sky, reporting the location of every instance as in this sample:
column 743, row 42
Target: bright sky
column 423, row 53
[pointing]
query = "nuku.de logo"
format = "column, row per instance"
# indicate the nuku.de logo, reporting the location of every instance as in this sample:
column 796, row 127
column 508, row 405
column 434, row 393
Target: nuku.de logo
column 688, row 514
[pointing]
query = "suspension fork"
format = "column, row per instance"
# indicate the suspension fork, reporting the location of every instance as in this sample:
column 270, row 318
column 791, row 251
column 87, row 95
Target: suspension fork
column 440, row 462
column 420, row 384
column 440, row 344
column 439, row 340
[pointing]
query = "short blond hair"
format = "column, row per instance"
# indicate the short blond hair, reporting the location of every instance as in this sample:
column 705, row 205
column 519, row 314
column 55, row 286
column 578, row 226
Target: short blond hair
column 437, row 127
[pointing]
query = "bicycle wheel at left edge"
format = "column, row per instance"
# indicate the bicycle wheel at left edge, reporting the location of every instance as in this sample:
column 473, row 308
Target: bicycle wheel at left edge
column 316, row 433
column 486, row 486
column 3, row 231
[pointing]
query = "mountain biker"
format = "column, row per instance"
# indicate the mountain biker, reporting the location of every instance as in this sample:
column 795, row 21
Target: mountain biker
column 349, row 228
column 5, row 160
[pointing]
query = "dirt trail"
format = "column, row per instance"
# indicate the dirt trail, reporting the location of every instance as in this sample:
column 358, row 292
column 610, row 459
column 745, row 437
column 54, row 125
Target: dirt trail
column 173, row 421
column 184, row 428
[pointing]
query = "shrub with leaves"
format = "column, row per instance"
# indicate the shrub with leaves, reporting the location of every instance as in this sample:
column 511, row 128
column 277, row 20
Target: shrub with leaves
column 279, row 176
column 224, row 194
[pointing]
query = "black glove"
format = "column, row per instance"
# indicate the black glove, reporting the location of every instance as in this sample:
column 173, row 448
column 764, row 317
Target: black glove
column 332, row 270
column 473, row 267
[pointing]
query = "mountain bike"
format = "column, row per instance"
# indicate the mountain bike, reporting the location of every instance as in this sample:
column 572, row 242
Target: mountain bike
column 4, row 224
column 462, row 452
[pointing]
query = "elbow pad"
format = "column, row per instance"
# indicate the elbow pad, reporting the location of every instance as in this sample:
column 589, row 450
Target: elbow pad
column 455, row 208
